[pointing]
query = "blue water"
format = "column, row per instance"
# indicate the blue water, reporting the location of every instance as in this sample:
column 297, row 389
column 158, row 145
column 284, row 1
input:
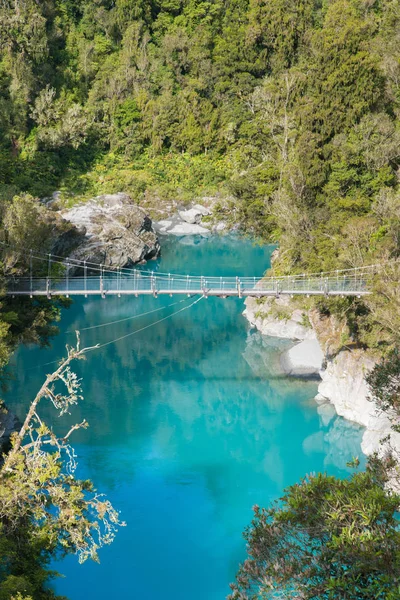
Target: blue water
column 189, row 427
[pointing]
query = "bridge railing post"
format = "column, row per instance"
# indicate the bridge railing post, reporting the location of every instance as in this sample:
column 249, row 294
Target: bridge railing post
column 31, row 272
column 48, row 292
column 239, row 287
column 85, row 277
column 153, row 285
column 66, row 279
column 101, row 282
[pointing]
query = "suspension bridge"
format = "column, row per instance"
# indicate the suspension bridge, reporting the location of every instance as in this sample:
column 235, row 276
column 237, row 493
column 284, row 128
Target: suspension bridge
column 138, row 282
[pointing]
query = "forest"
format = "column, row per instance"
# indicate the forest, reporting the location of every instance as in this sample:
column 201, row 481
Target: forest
column 287, row 111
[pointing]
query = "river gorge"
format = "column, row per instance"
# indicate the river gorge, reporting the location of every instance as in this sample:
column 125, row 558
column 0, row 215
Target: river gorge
column 191, row 423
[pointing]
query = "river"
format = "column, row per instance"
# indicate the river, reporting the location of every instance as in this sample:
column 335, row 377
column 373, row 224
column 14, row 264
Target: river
column 189, row 427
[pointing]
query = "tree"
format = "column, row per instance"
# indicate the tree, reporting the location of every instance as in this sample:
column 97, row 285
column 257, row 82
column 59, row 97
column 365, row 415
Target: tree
column 384, row 385
column 44, row 510
column 326, row 538
column 60, row 123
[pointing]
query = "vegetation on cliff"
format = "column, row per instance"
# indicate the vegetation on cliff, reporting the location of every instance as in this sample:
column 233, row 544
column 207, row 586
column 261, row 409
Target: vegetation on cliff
column 326, row 538
column 291, row 109
column 288, row 110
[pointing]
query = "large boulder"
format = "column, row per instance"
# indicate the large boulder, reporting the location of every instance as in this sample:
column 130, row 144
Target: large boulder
column 195, row 214
column 117, row 232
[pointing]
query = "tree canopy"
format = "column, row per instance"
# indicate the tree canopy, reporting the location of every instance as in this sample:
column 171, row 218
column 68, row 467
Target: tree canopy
column 326, row 538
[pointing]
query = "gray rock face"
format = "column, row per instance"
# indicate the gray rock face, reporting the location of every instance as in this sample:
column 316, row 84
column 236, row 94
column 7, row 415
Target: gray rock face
column 185, row 222
column 195, row 214
column 191, row 216
column 114, row 232
column 343, row 388
column 203, row 210
column 291, row 327
column 187, row 229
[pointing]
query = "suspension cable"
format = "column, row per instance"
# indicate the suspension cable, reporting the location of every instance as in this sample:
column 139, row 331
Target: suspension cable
column 122, row 337
column 114, row 341
column 149, row 312
column 147, row 273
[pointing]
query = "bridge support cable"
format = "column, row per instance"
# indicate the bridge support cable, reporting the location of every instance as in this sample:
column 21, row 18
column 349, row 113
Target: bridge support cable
column 114, row 341
column 31, row 273
column 122, row 337
column 101, row 282
column 85, row 277
column 131, row 318
column 359, row 271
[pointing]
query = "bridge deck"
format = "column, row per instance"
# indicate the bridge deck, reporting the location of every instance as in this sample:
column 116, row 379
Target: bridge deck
column 139, row 284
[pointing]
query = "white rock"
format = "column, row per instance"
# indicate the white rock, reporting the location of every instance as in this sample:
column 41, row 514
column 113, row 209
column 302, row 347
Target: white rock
column 304, row 359
column 343, row 382
column 118, row 232
column 291, row 328
column 320, row 399
column 162, row 226
column 203, row 210
column 188, row 229
column 191, row 216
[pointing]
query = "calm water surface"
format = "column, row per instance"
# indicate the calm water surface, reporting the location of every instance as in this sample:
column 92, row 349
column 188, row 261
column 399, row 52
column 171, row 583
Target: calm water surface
column 189, row 427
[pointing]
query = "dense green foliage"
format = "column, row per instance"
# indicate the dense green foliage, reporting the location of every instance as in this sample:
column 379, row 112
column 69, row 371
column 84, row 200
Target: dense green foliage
column 45, row 511
column 384, row 384
column 289, row 112
column 290, row 109
column 326, row 539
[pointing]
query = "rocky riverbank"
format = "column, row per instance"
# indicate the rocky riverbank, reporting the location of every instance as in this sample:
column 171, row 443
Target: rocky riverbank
column 109, row 230
column 197, row 219
column 317, row 352
column 112, row 230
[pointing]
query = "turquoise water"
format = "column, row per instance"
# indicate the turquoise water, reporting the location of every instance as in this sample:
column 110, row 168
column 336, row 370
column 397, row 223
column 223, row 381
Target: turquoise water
column 189, row 427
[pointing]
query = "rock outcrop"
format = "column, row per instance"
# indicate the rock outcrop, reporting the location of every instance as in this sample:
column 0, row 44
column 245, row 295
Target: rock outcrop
column 185, row 222
column 342, row 371
column 109, row 230
column 276, row 318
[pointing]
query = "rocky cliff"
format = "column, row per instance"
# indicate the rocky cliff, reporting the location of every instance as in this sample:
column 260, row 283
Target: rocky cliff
column 341, row 371
column 110, row 230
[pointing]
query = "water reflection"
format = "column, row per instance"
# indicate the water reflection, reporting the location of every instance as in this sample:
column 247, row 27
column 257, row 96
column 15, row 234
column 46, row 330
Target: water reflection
column 189, row 427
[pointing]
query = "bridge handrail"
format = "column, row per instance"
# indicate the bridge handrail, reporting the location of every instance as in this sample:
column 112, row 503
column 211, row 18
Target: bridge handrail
column 154, row 283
